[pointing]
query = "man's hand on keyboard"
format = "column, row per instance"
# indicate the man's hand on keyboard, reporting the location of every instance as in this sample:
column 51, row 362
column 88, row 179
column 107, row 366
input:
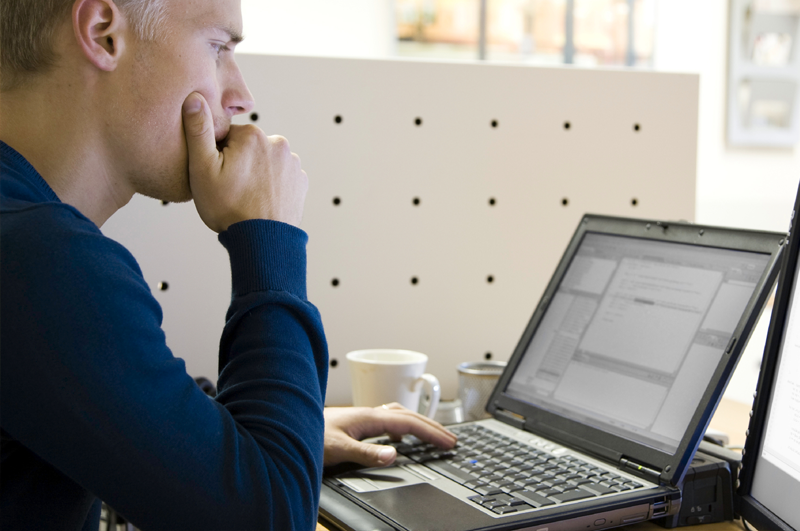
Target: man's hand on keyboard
column 345, row 427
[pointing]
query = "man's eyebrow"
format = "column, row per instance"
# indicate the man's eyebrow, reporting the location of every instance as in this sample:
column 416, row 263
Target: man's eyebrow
column 234, row 34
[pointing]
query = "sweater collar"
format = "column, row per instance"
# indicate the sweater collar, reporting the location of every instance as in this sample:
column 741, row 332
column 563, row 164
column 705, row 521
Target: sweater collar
column 13, row 163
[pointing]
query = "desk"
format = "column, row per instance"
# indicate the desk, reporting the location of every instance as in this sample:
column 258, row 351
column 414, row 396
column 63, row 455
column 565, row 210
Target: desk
column 732, row 418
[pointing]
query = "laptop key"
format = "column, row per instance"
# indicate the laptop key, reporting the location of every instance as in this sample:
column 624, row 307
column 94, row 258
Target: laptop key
column 572, row 495
column 534, row 499
column 482, row 499
column 494, row 504
column 505, row 509
column 597, row 489
column 487, row 490
column 550, row 492
column 448, row 470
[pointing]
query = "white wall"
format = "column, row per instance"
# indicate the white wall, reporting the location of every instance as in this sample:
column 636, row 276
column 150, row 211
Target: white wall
column 753, row 188
column 345, row 28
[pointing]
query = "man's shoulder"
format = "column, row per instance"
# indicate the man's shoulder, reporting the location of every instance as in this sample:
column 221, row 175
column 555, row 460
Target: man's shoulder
column 56, row 234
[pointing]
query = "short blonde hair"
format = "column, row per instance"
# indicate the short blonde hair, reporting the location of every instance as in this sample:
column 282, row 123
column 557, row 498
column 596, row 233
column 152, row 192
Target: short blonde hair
column 27, row 28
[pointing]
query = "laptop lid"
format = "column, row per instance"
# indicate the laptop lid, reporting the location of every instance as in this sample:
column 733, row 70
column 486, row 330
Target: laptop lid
column 635, row 338
column 770, row 473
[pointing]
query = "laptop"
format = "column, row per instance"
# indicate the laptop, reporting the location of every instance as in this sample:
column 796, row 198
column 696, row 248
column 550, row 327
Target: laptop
column 770, row 473
column 604, row 400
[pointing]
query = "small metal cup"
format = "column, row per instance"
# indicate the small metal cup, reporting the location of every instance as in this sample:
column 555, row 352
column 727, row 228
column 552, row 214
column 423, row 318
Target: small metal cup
column 477, row 380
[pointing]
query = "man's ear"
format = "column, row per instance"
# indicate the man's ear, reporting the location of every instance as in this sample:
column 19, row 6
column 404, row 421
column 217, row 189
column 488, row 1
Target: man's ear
column 100, row 31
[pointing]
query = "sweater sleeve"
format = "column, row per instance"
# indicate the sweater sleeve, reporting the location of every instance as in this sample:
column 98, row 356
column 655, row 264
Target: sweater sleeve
column 89, row 385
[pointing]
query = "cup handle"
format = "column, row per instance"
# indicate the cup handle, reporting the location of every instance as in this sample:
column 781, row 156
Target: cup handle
column 429, row 398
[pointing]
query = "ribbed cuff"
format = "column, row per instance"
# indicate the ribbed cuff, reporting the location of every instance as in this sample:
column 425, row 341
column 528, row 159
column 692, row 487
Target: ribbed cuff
column 266, row 255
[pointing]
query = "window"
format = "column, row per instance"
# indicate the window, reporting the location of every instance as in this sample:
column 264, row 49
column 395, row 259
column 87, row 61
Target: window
column 585, row 32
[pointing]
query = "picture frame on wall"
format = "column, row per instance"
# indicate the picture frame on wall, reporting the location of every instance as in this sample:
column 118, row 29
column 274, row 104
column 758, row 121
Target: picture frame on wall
column 764, row 73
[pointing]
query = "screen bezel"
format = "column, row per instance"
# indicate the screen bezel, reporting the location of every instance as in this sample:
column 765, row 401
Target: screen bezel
column 613, row 447
column 749, row 507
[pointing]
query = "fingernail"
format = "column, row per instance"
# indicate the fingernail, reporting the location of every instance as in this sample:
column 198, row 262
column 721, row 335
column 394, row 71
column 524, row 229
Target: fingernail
column 192, row 104
column 386, row 455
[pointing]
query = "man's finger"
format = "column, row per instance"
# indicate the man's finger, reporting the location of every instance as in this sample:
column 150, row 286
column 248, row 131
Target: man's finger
column 398, row 421
column 397, row 424
column 369, row 454
column 398, row 408
column 198, row 126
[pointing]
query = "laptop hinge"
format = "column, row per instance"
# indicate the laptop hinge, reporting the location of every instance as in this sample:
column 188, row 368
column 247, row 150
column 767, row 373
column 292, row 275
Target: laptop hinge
column 644, row 471
column 509, row 417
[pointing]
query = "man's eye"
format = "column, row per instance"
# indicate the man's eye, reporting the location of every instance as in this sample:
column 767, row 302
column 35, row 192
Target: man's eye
column 219, row 48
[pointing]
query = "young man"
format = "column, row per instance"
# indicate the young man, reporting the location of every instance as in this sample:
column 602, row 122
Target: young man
column 102, row 99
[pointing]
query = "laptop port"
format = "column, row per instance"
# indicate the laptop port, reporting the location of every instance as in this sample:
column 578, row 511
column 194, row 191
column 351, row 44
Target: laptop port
column 660, row 508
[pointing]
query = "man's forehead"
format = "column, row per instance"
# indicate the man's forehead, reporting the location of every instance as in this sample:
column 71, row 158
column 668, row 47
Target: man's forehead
column 222, row 15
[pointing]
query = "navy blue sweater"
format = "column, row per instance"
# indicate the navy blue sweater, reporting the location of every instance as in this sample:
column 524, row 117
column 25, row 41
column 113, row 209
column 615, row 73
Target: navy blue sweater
column 95, row 406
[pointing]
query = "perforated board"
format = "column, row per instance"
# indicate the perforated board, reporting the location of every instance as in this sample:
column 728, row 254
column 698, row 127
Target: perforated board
column 496, row 201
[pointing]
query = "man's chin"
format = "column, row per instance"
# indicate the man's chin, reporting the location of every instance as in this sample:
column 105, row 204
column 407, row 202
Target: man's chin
column 178, row 191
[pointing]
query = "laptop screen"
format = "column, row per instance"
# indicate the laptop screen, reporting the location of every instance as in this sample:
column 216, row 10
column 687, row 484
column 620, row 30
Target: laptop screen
column 633, row 334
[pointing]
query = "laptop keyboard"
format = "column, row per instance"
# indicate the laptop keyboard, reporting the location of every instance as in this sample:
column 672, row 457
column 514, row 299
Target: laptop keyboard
column 509, row 476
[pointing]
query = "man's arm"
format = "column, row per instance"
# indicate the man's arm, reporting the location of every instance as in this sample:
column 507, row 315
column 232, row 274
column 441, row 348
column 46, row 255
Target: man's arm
column 90, row 387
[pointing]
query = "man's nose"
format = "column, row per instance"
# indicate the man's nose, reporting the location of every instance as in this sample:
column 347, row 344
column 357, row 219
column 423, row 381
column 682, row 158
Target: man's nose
column 236, row 97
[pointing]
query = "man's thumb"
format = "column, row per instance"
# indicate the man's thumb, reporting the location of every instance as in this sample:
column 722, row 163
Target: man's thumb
column 198, row 126
column 372, row 454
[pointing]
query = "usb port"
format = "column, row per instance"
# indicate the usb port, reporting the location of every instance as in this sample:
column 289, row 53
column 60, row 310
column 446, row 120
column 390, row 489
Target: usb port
column 660, row 509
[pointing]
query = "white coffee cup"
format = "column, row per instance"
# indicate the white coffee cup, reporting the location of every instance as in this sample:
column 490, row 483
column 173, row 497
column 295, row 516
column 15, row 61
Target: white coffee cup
column 383, row 376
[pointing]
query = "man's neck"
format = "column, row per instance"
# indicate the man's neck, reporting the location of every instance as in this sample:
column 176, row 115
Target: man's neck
column 50, row 124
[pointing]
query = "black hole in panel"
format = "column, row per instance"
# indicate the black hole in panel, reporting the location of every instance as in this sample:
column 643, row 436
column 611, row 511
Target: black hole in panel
column 334, row 363
column 163, row 286
column 164, row 203
column 253, row 116
column 414, row 281
column 337, row 201
column 490, row 279
column 416, row 201
column 418, row 122
column 565, row 201
column 335, row 282
column 634, row 202
column 567, row 125
column 337, row 119
column 488, row 355
column 637, row 127
column 492, row 201
column 495, row 123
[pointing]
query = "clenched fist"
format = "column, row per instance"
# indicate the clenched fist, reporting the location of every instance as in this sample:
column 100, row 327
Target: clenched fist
column 255, row 176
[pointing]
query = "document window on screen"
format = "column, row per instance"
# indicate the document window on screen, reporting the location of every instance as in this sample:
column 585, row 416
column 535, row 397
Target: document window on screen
column 632, row 333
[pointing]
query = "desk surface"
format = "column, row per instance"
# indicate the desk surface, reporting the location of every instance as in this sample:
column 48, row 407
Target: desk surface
column 731, row 418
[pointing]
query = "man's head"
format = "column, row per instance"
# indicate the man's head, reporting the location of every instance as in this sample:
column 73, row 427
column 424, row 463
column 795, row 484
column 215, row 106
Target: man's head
column 27, row 32
column 129, row 65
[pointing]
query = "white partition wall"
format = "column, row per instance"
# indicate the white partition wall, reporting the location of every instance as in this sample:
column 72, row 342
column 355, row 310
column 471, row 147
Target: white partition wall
column 442, row 196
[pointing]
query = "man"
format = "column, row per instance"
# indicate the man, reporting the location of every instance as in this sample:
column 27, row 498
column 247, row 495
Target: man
column 102, row 99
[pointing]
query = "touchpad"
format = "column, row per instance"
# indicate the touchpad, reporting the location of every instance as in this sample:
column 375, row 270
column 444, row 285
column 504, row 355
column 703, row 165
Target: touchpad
column 423, row 507
column 369, row 479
